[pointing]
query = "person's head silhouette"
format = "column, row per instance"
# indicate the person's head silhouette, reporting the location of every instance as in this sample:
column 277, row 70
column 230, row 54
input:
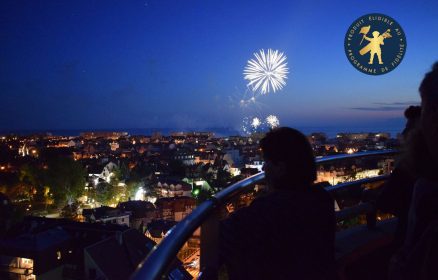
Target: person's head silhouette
column 412, row 115
column 289, row 160
column 376, row 34
column 429, row 110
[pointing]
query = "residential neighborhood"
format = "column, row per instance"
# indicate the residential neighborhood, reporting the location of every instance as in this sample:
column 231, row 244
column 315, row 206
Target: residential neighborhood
column 103, row 192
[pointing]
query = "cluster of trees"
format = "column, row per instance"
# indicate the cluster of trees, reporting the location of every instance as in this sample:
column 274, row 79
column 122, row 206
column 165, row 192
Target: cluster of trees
column 108, row 193
column 55, row 182
column 142, row 174
column 215, row 175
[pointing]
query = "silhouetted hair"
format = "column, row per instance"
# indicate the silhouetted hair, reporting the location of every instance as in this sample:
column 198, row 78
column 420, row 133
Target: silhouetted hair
column 290, row 146
column 429, row 85
column 413, row 112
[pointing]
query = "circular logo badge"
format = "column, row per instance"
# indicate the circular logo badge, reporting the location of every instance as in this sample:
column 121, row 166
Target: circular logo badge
column 375, row 44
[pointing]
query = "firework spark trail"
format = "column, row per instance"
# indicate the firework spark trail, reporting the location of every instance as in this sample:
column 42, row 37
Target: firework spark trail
column 246, row 100
column 272, row 121
column 267, row 72
column 246, row 128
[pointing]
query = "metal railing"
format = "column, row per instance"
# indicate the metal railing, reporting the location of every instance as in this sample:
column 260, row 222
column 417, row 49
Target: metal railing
column 205, row 215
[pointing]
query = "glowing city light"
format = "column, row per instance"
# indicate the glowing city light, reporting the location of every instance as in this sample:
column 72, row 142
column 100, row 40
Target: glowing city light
column 139, row 195
column 272, row 121
column 268, row 71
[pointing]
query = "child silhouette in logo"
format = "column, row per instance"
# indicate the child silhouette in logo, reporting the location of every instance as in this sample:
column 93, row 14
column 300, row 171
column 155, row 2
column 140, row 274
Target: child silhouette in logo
column 374, row 45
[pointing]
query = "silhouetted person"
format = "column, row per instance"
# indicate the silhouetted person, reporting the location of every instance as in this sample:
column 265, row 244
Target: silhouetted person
column 418, row 257
column 396, row 194
column 425, row 197
column 289, row 232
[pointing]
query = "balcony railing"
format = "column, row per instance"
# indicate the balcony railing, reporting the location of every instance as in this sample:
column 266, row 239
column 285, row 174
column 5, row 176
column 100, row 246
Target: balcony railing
column 206, row 215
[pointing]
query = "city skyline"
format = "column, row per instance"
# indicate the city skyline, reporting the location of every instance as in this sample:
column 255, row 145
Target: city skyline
column 155, row 64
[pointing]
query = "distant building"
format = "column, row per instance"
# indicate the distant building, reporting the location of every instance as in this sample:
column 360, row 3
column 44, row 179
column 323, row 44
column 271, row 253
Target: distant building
column 106, row 174
column 167, row 187
column 28, row 150
column 103, row 134
column 118, row 256
column 63, row 144
column 381, row 136
column 247, row 172
column 156, row 137
column 114, row 146
column 62, row 249
column 142, row 212
column 34, row 256
column 387, row 165
column 352, row 136
column 318, row 138
column 174, row 208
column 185, row 156
column 157, row 229
column 233, row 157
column 255, row 164
column 200, row 135
column 363, row 136
column 205, row 158
column 332, row 176
column 106, row 215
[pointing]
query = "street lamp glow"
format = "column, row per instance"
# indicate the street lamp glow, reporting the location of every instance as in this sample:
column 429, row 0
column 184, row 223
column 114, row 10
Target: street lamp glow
column 139, row 195
column 196, row 192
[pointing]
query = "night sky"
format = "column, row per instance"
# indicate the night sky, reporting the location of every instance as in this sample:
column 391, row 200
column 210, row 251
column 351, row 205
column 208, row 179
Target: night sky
column 178, row 64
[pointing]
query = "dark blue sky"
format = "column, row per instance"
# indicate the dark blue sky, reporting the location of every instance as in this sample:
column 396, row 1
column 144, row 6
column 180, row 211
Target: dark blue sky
column 171, row 63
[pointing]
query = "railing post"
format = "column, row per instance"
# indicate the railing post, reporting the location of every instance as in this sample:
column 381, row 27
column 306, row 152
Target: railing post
column 209, row 262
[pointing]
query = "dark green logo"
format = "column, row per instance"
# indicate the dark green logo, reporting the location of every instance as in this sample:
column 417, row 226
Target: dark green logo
column 375, row 44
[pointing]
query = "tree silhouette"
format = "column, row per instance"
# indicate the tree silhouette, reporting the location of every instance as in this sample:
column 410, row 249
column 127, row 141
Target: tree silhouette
column 105, row 193
column 66, row 179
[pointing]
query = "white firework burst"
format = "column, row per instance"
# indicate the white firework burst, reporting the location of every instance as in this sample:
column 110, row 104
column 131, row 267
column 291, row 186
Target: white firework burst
column 272, row 121
column 255, row 122
column 251, row 125
column 268, row 71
